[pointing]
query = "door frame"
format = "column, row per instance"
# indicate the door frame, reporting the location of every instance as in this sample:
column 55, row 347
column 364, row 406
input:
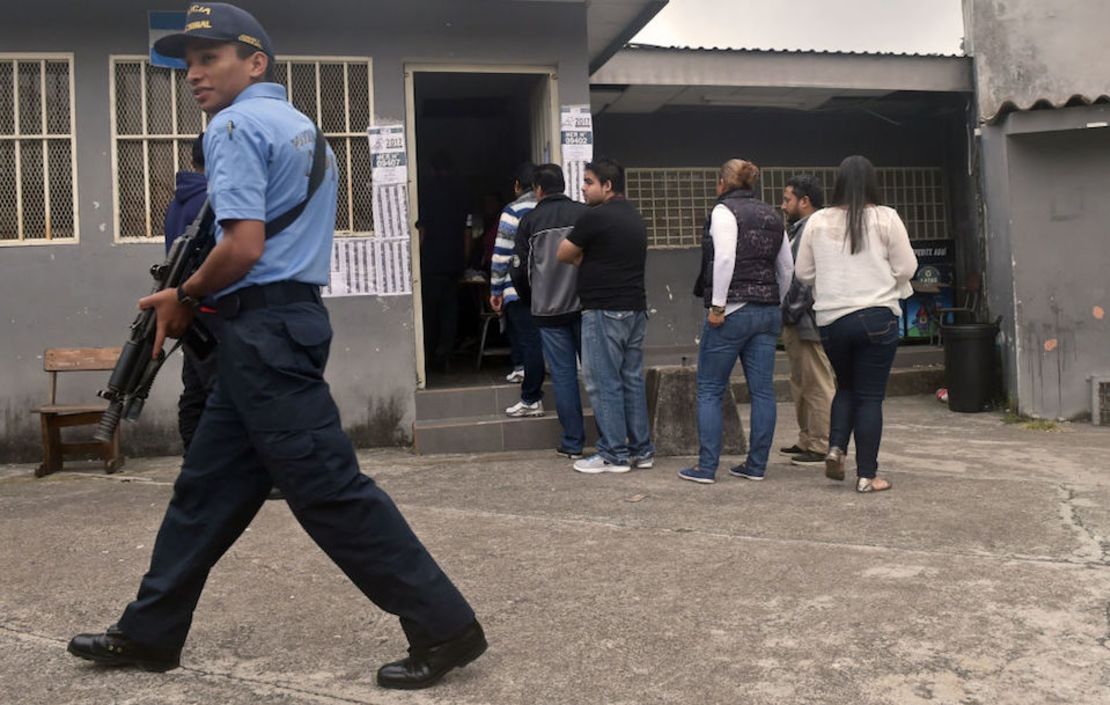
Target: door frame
column 411, row 69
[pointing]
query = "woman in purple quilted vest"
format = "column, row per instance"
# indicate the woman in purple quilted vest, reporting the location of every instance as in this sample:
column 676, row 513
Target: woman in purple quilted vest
column 746, row 271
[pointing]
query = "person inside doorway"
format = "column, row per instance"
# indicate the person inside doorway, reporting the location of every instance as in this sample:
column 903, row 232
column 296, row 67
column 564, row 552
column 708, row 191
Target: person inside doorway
column 516, row 311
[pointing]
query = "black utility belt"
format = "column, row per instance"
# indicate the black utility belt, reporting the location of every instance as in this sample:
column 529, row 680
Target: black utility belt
column 266, row 295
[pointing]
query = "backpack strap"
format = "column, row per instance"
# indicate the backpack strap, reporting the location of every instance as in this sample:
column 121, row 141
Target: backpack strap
column 315, row 178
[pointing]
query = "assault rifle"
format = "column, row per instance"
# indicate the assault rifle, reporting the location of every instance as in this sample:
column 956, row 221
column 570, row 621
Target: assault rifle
column 136, row 368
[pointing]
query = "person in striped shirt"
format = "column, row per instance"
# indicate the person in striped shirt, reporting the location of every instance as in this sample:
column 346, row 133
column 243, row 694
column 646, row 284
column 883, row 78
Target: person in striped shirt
column 507, row 301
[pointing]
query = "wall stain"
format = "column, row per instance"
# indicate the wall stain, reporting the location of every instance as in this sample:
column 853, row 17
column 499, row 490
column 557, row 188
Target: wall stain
column 383, row 424
column 22, row 434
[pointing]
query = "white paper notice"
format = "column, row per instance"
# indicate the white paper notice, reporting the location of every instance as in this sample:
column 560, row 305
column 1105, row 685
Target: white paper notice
column 352, row 267
column 388, row 159
column 369, row 266
column 379, row 265
column 577, row 139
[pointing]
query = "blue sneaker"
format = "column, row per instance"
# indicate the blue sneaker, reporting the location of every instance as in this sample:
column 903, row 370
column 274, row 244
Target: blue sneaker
column 705, row 477
column 742, row 470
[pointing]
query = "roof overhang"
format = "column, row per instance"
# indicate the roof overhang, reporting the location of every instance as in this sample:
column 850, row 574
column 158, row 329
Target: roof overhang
column 644, row 79
column 611, row 24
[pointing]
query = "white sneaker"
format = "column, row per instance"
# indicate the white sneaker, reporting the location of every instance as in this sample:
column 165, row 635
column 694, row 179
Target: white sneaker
column 516, row 376
column 520, row 409
column 596, row 464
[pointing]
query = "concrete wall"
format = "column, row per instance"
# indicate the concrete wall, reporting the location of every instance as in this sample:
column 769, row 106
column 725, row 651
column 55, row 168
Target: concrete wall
column 998, row 282
column 1031, row 50
column 84, row 295
column 707, row 137
column 1048, row 181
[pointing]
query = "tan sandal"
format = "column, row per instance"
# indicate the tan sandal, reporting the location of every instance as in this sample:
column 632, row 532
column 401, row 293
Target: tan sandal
column 872, row 484
column 834, row 464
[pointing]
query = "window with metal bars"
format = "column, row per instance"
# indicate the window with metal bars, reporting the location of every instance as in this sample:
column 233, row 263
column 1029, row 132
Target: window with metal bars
column 675, row 202
column 38, row 173
column 155, row 121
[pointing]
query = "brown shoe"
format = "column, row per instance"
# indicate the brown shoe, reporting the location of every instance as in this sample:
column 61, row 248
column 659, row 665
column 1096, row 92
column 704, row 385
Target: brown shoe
column 834, row 464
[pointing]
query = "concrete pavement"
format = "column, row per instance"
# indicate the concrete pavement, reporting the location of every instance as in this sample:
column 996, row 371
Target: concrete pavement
column 983, row 577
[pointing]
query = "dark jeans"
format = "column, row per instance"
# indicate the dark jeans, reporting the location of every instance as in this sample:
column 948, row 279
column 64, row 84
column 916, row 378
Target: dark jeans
column 861, row 347
column 562, row 346
column 440, row 296
column 526, row 339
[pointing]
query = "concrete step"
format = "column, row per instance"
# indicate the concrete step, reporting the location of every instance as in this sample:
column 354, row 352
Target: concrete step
column 903, row 382
column 493, row 433
column 472, row 419
column 478, row 400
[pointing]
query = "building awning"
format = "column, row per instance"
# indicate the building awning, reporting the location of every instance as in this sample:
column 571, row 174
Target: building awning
column 644, row 79
column 613, row 23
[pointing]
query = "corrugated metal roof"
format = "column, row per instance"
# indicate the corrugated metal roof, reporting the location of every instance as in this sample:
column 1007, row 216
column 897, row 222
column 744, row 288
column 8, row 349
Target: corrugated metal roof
column 1010, row 106
column 761, row 50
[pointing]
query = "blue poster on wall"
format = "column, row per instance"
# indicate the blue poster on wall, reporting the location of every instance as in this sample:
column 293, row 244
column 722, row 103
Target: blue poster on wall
column 161, row 24
column 933, row 288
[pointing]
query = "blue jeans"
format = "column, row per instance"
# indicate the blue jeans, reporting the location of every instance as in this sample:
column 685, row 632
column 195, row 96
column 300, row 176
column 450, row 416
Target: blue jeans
column 613, row 361
column 749, row 334
column 526, row 340
column 561, row 347
column 861, row 347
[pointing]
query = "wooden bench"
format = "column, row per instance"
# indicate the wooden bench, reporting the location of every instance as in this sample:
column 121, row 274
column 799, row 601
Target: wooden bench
column 55, row 416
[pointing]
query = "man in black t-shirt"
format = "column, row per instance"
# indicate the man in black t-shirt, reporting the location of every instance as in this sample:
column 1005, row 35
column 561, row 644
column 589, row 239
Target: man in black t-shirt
column 609, row 246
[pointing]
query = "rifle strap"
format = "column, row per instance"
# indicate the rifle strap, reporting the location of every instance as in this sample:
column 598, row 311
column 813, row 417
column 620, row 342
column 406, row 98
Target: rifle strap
column 315, row 178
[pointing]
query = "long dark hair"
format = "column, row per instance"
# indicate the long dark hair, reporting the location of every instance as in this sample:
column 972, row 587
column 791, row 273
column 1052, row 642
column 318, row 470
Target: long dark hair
column 857, row 187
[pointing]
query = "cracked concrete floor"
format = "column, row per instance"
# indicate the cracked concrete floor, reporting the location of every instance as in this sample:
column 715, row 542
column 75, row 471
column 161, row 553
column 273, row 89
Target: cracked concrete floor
column 984, row 577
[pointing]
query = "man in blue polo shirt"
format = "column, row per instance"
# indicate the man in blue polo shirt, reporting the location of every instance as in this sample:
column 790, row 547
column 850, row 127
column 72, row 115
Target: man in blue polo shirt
column 271, row 419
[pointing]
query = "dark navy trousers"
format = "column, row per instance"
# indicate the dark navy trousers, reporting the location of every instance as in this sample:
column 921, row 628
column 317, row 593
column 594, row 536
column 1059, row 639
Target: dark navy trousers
column 271, row 421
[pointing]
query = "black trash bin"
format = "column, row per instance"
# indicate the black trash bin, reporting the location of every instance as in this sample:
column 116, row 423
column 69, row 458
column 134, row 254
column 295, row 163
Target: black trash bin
column 969, row 365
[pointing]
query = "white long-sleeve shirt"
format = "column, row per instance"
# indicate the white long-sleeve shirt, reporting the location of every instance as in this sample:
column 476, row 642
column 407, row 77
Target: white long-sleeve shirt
column 724, row 230
column 878, row 275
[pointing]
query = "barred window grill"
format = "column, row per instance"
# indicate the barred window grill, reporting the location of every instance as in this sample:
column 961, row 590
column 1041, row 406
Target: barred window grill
column 38, row 174
column 675, row 202
column 156, row 120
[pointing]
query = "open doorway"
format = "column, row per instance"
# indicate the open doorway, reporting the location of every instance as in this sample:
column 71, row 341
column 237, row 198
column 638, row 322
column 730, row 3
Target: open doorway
column 468, row 133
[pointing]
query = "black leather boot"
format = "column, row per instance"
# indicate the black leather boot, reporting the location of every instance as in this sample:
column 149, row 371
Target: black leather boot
column 425, row 666
column 112, row 648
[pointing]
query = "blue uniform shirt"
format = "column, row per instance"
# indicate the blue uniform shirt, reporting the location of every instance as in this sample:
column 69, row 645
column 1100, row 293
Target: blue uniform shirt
column 258, row 154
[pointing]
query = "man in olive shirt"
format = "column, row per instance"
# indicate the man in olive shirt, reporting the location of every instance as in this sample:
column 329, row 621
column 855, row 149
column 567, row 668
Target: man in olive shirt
column 609, row 245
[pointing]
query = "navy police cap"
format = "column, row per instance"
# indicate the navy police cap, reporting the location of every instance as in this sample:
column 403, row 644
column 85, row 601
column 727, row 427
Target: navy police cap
column 219, row 22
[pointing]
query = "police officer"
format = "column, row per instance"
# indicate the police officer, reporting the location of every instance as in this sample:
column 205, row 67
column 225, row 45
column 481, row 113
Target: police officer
column 271, row 419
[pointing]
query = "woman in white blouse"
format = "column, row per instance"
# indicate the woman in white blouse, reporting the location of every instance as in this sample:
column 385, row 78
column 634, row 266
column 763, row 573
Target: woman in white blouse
column 857, row 256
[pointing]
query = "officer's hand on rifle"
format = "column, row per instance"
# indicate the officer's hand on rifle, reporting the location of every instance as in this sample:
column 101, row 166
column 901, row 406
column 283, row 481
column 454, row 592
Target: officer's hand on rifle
column 172, row 317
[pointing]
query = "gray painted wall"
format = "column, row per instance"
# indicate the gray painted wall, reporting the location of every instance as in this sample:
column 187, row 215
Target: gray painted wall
column 84, row 295
column 1031, row 50
column 998, row 283
column 1043, row 180
column 1047, row 182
